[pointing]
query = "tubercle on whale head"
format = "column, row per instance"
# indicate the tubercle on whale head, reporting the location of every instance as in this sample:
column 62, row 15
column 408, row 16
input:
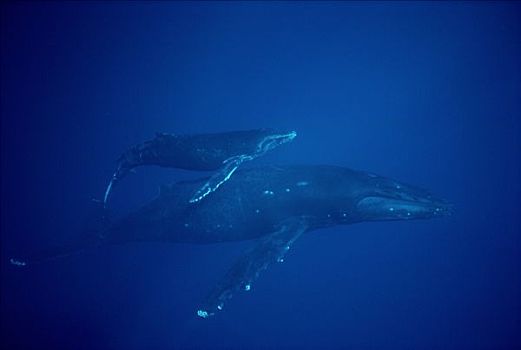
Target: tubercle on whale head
column 385, row 199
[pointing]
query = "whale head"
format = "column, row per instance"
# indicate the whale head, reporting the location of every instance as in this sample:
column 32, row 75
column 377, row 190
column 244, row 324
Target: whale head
column 270, row 139
column 386, row 199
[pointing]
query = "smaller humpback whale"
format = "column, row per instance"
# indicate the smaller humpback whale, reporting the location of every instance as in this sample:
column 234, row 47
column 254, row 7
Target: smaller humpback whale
column 274, row 205
column 223, row 152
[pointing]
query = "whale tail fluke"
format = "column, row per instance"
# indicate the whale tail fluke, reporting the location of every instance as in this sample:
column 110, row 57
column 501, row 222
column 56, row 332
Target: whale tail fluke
column 92, row 235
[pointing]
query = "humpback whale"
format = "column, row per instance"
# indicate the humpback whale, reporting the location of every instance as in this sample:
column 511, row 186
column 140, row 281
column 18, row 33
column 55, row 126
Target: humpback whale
column 274, row 205
column 223, row 152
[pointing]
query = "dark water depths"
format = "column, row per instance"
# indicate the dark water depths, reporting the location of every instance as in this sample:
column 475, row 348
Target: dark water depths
column 427, row 93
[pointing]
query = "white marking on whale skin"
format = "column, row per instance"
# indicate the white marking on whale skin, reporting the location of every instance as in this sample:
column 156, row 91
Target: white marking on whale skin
column 108, row 190
column 210, row 189
column 272, row 141
column 202, row 313
column 17, row 262
column 193, row 200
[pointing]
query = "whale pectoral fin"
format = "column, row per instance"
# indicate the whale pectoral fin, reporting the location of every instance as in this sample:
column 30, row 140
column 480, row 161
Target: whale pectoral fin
column 221, row 176
column 268, row 250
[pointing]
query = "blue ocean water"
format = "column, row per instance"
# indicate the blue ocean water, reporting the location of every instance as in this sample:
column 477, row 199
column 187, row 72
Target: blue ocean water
column 428, row 93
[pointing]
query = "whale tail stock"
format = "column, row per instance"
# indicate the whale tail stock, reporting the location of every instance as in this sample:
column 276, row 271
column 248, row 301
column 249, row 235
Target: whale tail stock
column 91, row 236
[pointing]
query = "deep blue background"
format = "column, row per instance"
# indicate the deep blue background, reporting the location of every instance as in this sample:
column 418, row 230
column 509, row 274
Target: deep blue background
column 427, row 93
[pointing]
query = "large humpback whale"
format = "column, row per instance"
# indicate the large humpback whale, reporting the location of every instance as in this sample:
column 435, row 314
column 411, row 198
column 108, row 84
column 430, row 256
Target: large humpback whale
column 273, row 204
column 223, row 152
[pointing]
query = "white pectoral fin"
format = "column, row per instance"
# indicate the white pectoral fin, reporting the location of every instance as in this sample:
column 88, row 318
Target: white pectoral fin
column 246, row 269
column 221, row 176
